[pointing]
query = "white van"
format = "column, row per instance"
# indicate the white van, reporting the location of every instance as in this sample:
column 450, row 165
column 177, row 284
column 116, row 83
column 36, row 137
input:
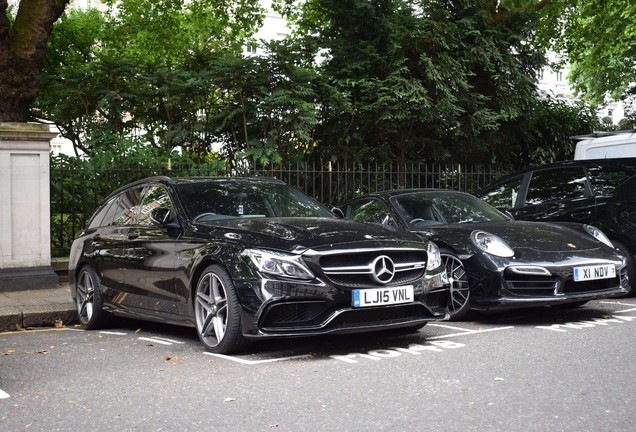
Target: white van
column 606, row 145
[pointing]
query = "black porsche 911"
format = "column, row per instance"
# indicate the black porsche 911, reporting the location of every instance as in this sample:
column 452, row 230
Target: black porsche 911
column 494, row 262
column 247, row 258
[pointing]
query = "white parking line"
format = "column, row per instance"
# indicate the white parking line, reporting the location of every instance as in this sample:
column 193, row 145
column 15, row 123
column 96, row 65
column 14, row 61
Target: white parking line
column 470, row 332
column 4, row 395
column 157, row 340
column 447, row 326
column 255, row 362
column 113, row 333
column 620, row 303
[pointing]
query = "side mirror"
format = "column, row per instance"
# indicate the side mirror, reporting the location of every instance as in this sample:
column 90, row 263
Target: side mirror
column 336, row 210
column 384, row 219
column 163, row 217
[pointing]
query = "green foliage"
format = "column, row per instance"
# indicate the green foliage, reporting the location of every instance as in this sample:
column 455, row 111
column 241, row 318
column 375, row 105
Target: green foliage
column 598, row 39
column 391, row 80
column 419, row 80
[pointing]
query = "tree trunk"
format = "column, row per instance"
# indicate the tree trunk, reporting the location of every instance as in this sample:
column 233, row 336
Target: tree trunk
column 23, row 48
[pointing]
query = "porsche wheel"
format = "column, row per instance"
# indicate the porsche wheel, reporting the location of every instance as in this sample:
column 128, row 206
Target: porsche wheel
column 459, row 290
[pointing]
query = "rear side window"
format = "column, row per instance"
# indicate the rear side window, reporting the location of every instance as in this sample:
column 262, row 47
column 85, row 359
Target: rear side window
column 104, row 214
column 556, row 185
column 504, row 195
column 606, row 179
column 120, row 210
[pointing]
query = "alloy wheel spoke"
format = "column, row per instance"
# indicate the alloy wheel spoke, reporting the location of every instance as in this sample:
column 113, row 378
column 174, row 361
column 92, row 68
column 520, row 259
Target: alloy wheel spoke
column 212, row 308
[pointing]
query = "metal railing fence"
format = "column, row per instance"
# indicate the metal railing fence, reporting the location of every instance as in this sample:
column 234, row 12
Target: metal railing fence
column 78, row 186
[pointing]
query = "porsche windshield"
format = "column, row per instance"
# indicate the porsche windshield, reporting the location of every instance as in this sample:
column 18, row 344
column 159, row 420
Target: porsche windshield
column 441, row 207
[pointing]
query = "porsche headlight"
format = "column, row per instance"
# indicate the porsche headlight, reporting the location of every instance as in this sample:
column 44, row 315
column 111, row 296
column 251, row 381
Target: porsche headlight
column 278, row 264
column 598, row 235
column 491, row 244
column 434, row 258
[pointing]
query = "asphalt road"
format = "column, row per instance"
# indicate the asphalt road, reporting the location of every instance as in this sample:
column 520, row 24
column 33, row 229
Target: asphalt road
column 536, row 370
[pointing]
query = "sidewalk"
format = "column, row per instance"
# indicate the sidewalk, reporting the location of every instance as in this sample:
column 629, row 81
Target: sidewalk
column 37, row 308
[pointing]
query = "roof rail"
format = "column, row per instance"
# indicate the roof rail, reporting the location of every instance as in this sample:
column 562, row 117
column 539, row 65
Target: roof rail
column 598, row 134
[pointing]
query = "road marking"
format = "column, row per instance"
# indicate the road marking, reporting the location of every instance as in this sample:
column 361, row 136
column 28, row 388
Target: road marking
column 384, row 353
column 113, row 333
column 447, row 326
column 4, row 395
column 617, row 303
column 593, row 322
column 256, row 362
column 160, row 340
column 470, row 332
column 626, row 310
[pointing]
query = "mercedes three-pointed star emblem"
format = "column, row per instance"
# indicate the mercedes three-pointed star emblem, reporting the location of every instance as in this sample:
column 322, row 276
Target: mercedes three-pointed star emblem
column 383, row 269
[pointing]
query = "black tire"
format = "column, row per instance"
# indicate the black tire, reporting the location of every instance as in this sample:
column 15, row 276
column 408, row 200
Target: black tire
column 89, row 301
column 459, row 304
column 217, row 312
column 631, row 266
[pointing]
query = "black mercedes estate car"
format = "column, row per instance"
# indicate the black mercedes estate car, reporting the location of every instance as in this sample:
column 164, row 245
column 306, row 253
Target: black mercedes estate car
column 600, row 192
column 247, row 258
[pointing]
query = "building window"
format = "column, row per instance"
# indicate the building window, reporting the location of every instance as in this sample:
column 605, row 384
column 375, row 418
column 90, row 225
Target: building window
column 559, row 76
column 251, row 48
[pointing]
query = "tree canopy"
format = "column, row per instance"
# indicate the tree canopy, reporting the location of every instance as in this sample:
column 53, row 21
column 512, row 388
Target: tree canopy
column 429, row 80
column 598, row 40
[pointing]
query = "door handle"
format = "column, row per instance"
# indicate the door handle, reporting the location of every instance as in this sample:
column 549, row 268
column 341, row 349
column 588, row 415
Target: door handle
column 133, row 235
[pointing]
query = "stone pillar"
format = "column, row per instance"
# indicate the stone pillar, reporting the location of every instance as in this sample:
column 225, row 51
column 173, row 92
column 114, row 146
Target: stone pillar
column 25, row 227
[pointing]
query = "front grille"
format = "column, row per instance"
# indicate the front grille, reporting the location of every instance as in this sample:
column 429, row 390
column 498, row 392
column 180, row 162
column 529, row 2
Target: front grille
column 355, row 269
column 285, row 314
column 550, row 286
column 532, row 286
column 437, row 300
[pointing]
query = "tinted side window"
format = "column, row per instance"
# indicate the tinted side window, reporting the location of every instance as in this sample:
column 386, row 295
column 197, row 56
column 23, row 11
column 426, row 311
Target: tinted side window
column 124, row 206
column 155, row 197
column 104, row 216
column 555, row 185
column 369, row 212
column 504, row 195
column 606, row 179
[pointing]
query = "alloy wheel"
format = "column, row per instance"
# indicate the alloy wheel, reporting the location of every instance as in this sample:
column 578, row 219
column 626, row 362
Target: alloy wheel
column 459, row 289
column 211, row 309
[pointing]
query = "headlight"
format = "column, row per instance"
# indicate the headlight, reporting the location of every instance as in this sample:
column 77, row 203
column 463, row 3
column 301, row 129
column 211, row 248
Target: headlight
column 598, row 235
column 491, row 244
column 434, row 258
column 278, row 264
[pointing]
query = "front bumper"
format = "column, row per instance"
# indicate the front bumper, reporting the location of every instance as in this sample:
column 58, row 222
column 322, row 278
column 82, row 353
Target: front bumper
column 283, row 309
column 501, row 289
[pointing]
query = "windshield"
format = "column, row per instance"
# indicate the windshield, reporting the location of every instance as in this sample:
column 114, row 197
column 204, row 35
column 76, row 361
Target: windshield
column 420, row 209
column 214, row 200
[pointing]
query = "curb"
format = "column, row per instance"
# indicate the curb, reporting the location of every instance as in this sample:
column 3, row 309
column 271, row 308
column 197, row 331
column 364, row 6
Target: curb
column 15, row 318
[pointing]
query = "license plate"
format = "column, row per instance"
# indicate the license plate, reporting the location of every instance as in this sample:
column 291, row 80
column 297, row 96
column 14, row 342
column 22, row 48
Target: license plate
column 382, row 296
column 604, row 271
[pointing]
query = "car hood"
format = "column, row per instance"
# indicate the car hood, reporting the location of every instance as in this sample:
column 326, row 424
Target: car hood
column 539, row 236
column 298, row 234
